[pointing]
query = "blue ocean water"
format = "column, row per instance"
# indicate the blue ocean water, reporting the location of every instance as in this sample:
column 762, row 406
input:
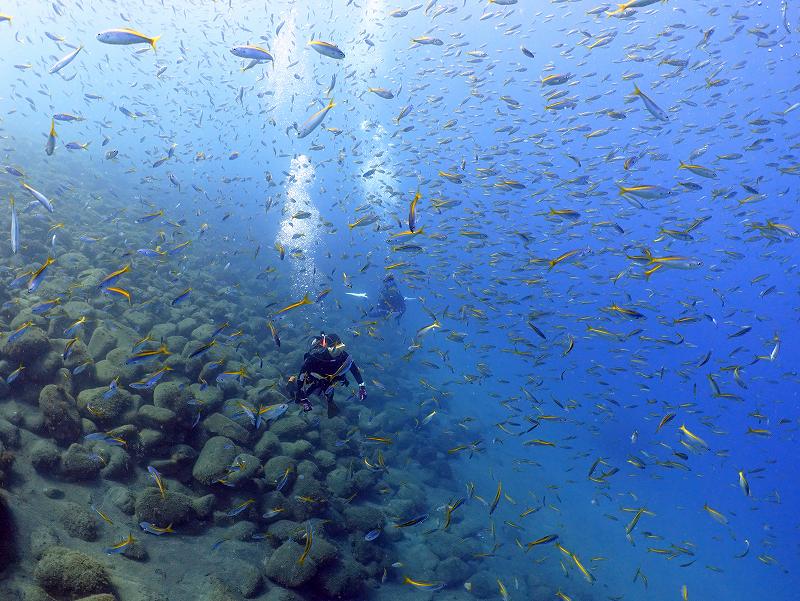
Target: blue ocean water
column 585, row 283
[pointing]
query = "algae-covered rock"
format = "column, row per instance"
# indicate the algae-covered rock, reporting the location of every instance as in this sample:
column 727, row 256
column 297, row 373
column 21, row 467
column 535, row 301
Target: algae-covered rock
column 8, row 542
column 69, row 574
column 31, row 345
column 217, row 424
column 364, row 517
column 102, row 409
column 247, row 466
column 214, row 459
column 243, row 577
column 45, row 456
column 268, row 446
column 9, row 434
column 79, row 464
column 204, row 506
column 282, row 566
column 298, row 449
column 121, row 498
column 276, row 593
column 175, row 396
column 115, row 365
column 150, row 440
column 340, row 483
column 117, row 463
column 157, row 418
column 101, row 342
column 452, row 571
column 280, row 470
column 78, row 521
column 289, row 427
column 342, row 580
column 61, row 418
column 100, row 597
column 325, row 459
column 173, row 508
column 483, row 585
column 284, row 530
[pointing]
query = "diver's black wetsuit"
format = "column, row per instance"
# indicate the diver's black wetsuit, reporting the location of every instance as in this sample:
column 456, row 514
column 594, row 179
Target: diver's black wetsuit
column 390, row 300
column 319, row 363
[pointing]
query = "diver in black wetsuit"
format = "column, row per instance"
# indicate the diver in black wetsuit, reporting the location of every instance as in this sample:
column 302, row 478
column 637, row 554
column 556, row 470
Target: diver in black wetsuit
column 390, row 300
column 324, row 366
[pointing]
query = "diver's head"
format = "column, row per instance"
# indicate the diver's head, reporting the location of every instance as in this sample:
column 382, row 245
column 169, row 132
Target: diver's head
column 332, row 343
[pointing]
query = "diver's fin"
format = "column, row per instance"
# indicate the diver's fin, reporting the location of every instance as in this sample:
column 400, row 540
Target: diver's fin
column 333, row 409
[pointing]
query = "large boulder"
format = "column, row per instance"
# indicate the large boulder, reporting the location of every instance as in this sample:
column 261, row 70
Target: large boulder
column 173, row 508
column 61, row 418
column 101, row 409
column 217, row 424
column 282, row 566
column 212, row 464
column 31, row 345
column 67, row 574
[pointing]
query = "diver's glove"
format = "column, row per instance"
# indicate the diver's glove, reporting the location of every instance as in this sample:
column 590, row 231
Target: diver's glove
column 362, row 391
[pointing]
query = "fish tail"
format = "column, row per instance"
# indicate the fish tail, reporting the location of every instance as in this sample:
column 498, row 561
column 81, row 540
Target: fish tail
column 636, row 90
column 331, row 103
column 153, row 42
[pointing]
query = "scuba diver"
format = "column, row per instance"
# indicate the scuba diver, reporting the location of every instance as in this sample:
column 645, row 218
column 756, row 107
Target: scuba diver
column 390, row 300
column 324, row 366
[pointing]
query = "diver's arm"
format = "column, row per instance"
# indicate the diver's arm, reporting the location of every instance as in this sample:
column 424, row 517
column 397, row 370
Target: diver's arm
column 356, row 373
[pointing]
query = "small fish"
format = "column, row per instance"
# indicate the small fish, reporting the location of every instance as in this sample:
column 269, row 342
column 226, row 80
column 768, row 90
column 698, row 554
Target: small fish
column 327, row 49
column 51, row 139
column 274, row 333
column 202, row 349
column 651, row 106
column 430, row 586
column 121, row 546
column 549, row 538
column 106, row 438
column 181, row 297
column 38, row 276
column 496, row 499
column 15, row 374
column 240, row 508
column 147, row 355
column 281, row 483
column 124, row 36
column 102, row 515
column 413, row 521
column 70, row 331
column 153, row 529
column 16, row 334
column 252, row 52
column 744, row 484
column 314, row 120
column 303, row 301
column 43, row 200
column 372, row 534
column 158, row 480
column 309, row 539
column 111, row 278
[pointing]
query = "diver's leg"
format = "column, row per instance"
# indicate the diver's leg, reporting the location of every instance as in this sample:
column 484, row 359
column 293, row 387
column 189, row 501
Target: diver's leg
column 333, row 408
